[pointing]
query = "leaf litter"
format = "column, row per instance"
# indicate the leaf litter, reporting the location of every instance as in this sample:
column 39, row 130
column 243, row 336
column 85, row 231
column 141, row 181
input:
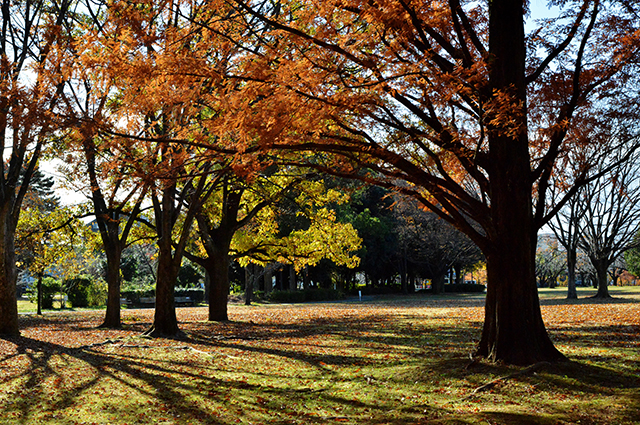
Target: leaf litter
column 393, row 361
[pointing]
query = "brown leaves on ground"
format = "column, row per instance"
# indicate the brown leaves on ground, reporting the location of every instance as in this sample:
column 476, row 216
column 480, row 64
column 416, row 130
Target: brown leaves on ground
column 396, row 361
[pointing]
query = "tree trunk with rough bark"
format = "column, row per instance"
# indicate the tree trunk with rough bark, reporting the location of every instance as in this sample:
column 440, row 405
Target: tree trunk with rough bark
column 218, row 268
column 8, row 276
column 113, row 252
column 572, row 293
column 165, row 321
column 601, row 266
column 513, row 329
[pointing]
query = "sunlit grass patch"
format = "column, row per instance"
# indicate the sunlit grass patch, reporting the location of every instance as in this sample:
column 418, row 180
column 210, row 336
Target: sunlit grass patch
column 399, row 361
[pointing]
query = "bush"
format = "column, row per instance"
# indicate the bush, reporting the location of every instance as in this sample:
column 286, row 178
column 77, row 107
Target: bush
column 286, row 296
column 50, row 287
column 97, row 294
column 77, row 289
column 195, row 294
column 133, row 292
column 305, row 295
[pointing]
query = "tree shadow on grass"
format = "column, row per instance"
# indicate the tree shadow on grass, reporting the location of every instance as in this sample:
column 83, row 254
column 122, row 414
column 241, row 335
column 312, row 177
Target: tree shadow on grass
column 588, row 300
column 199, row 385
column 79, row 372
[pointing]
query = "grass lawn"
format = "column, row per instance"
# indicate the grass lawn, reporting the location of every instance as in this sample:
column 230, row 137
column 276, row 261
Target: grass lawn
column 392, row 361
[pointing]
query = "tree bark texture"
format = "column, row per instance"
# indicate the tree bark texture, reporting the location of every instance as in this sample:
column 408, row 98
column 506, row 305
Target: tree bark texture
column 8, row 276
column 218, row 269
column 113, row 252
column 165, row 322
column 572, row 293
column 513, row 328
column 601, row 266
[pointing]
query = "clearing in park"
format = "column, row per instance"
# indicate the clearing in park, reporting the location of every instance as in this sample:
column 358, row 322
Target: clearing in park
column 395, row 360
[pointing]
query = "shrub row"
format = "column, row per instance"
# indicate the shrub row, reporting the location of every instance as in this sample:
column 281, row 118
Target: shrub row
column 306, row 295
column 133, row 295
column 465, row 287
column 81, row 291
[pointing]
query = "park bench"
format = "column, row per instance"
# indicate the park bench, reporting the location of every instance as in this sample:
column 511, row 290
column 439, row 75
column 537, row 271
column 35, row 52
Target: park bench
column 184, row 301
column 147, row 300
column 178, row 301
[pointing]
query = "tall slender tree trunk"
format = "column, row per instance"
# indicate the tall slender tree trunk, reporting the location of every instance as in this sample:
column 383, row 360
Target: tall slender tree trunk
column 572, row 293
column 404, row 284
column 293, row 280
column 268, row 278
column 250, row 281
column 8, row 276
column 207, row 284
column 39, row 289
column 165, row 321
column 113, row 252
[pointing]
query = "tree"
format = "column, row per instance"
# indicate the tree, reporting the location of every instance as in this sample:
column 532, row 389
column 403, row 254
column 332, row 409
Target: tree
column 97, row 163
column 152, row 131
column 550, row 262
column 29, row 96
column 453, row 104
column 48, row 244
column 565, row 227
column 432, row 245
column 610, row 218
column 243, row 220
column 632, row 258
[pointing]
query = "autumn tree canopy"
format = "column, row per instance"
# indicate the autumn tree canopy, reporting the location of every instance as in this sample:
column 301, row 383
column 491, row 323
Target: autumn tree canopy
column 456, row 105
column 450, row 102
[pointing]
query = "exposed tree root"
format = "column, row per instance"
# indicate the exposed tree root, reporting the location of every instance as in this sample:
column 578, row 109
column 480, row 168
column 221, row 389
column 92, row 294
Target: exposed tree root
column 100, row 344
column 531, row 369
column 152, row 332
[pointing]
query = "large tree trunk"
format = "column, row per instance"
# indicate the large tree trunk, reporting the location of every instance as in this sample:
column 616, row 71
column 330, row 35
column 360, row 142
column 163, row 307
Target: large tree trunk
column 8, row 276
column 113, row 252
column 437, row 283
column 218, row 267
column 513, row 328
column 601, row 266
column 165, row 322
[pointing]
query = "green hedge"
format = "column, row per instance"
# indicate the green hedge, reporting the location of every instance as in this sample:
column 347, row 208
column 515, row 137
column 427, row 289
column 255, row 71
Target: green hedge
column 133, row 295
column 50, row 287
column 195, row 294
column 304, row 296
column 465, row 287
column 83, row 291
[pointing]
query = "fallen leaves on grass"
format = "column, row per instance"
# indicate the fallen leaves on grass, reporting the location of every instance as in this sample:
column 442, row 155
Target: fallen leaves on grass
column 359, row 363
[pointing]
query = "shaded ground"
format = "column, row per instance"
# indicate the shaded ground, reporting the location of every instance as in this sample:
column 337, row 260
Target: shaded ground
column 395, row 361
